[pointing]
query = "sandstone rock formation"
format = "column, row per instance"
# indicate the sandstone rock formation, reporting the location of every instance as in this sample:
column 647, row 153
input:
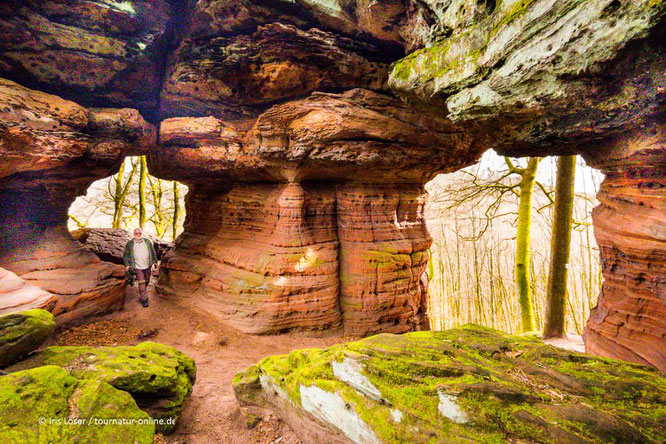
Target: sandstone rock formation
column 22, row 333
column 541, row 77
column 16, row 294
column 97, row 53
column 158, row 376
column 48, row 404
column 314, row 215
column 109, row 243
column 51, row 150
column 629, row 321
column 470, row 384
column 306, row 171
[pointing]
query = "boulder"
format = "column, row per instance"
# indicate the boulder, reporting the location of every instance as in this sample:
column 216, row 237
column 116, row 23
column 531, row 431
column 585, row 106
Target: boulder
column 157, row 376
column 22, row 332
column 109, row 243
column 47, row 404
column 468, row 384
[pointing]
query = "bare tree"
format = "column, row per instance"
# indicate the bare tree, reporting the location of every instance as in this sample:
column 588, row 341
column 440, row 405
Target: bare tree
column 118, row 188
column 143, row 172
column 494, row 191
column 560, row 239
column 176, row 209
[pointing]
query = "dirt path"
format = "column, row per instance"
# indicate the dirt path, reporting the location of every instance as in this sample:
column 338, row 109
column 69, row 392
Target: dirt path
column 211, row 415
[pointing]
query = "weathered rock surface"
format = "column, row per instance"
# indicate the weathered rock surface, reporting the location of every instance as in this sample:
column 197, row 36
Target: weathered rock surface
column 285, row 111
column 47, row 404
column 109, row 243
column 16, row 294
column 585, row 77
column 541, row 76
column 51, row 150
column 330, row 229
column 23, row 332
column 234, row 59
column 158, row 376
column 97, row 53
column 469, row 384
column 629, row 321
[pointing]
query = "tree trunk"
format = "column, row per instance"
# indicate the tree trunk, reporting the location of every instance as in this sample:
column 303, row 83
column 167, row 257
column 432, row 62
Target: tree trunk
column 523, row 245
column 176, row 208
column 560, row 242
column 118, row 198
column 142, row 192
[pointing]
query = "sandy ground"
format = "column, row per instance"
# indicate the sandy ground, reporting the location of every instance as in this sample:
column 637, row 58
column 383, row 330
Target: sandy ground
column 211, row 415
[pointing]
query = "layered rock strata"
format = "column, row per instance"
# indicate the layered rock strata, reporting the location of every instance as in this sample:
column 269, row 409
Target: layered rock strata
column 97, row 53
column 52, row 150
column 629, row 321
column 312, row 219
column 16, row 294
column 571, row 77
column 541, row 77
column 269, row 114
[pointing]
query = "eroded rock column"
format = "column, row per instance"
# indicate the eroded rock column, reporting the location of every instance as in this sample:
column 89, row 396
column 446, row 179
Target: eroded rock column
column 313, row 218
column 269, row 262
column 629, row 321
column 384, row 253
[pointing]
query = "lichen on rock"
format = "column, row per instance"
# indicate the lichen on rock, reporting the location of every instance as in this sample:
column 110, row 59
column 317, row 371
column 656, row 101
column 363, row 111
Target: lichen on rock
column 22, row 332
column 470, row 384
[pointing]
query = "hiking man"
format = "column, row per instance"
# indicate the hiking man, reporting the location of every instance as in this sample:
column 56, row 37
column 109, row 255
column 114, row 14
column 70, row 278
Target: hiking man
column 140, row 256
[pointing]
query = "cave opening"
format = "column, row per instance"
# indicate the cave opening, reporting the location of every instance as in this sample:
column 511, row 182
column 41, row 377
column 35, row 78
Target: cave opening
column 472, row 216
column 131, row 198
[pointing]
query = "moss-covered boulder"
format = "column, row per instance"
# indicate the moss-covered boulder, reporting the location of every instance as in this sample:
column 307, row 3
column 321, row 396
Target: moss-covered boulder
column 158, row 376
column 48, row 405
column 470, row 384
column 23, row 332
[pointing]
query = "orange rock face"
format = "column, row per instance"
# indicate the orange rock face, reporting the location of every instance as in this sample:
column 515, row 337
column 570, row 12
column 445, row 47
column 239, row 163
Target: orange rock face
column 311, row 219
column 52, row 150
column 17, row 295
column 629, row 321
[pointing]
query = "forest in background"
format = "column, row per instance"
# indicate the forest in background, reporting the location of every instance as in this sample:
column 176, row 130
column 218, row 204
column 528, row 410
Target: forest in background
column 473, row 254
column 121, row 201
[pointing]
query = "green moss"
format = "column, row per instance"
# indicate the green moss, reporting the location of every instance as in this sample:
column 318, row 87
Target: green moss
column 505, row 384
column 158, row 376
column 23, row 332
column 47, row 404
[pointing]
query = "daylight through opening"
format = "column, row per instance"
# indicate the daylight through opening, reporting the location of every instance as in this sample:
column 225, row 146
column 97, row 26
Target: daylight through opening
column 472, row 216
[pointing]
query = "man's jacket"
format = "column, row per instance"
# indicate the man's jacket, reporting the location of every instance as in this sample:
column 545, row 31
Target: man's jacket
column 128, row 255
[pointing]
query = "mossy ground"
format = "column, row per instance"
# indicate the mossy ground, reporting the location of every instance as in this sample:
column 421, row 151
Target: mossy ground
column 511, row 387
